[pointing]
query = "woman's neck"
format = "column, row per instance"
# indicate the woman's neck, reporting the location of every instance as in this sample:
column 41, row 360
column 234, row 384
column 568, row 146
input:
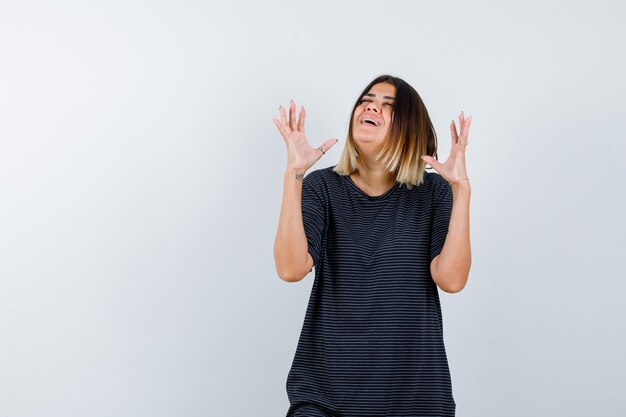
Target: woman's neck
column 373, row 178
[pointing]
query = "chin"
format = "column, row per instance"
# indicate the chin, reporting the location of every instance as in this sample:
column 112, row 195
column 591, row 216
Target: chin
column 372, row 144
column 365, row 138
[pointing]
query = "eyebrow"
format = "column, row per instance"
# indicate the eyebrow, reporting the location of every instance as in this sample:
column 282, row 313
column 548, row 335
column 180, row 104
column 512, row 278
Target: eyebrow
column 374, row 95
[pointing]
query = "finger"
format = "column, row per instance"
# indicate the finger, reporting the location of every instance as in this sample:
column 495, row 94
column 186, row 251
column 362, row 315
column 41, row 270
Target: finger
column 461, row 124
column 455, row 136
column 292, row 116
column 428, row 160
column 301, row 120
column 431, row 161
column 468, row 121
column 281, row 129
column 326, row 146
column 283, row 120
column 329, row 144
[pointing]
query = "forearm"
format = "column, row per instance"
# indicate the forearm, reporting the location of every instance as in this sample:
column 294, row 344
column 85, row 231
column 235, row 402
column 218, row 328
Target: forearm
column 290, row 246
column 453, row 266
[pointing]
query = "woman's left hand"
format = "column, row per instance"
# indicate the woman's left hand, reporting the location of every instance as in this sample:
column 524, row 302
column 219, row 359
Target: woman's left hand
column 453, row 169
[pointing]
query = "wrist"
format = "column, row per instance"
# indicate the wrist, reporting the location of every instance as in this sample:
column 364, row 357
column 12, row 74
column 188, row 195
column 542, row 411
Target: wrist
column 295, row 173
column 461, row 186
column 460, row 181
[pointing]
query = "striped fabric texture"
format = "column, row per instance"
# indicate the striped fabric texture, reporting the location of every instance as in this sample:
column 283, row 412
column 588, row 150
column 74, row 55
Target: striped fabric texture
column 371, row 344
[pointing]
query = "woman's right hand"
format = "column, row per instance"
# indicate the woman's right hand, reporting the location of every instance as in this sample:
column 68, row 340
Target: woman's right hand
column 300, row 155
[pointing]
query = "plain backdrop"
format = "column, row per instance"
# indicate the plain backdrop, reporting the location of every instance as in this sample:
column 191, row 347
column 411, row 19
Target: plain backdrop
column 141, row 183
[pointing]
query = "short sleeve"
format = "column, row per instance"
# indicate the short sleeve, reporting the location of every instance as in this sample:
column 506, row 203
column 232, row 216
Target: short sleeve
column 313, row 213
column 442, row 210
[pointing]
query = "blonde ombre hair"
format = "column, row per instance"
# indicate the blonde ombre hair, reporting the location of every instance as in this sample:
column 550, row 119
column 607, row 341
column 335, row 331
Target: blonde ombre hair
column 410, row 136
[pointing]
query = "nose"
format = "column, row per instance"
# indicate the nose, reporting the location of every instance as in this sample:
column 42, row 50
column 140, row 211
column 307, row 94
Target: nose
column 372, row 107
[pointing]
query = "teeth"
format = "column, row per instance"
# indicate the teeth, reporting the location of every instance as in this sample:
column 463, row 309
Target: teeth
column 371, row 120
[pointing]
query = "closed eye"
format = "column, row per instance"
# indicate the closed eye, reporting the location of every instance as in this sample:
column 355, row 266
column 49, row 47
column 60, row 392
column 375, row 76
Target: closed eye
column 389, row 104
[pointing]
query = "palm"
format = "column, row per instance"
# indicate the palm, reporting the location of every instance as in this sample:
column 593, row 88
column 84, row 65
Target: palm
column 300, row 154
column 453, row 169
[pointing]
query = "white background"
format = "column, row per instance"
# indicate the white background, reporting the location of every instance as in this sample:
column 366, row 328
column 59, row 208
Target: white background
column 141, row 183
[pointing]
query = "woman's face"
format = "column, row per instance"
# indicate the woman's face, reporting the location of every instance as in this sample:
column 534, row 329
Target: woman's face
column 377, row 105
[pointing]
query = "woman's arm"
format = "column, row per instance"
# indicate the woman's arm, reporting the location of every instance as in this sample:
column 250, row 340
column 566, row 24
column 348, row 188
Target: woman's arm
column 291, row 251
column 450, row 269
column 291, row 256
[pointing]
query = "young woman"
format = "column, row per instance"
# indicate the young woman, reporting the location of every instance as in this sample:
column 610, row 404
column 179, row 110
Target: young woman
column 383, row 234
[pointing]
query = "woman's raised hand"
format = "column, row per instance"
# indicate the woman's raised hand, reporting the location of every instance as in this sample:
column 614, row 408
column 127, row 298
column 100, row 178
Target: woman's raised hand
column 300, row 155
column 453, row 170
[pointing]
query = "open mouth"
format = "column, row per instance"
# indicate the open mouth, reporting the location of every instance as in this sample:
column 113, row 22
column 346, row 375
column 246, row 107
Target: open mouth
column 368, row 121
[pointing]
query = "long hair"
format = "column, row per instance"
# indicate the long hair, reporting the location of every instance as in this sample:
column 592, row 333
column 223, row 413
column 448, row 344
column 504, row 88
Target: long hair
column 410, row 136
